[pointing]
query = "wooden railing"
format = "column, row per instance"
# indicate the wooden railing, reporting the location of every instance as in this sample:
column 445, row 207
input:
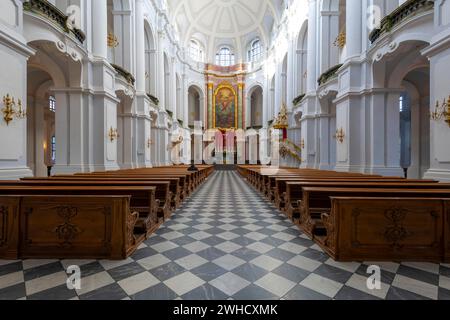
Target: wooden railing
column 53, row 14
column 328, row 75
column 406, row 10
column 154, row 99
column 124, row 73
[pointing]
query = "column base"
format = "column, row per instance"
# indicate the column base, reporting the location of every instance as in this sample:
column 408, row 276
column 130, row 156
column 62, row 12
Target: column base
column 145, row 165
column 438, row 174
column 327, row 166
column 15, row 173
column 385, row 171
column 306, row 165
column 127, row 166
column 349, row 168
column 61, row 169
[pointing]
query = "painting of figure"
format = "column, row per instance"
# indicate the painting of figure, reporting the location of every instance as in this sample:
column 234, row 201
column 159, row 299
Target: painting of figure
column 225, row 108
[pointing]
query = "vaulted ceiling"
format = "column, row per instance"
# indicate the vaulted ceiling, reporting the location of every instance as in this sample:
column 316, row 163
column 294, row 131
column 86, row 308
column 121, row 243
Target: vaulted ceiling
column 225, row 22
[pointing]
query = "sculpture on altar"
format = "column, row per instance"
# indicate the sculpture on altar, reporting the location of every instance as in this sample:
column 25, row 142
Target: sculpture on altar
column 225, row 107
column 282, row 122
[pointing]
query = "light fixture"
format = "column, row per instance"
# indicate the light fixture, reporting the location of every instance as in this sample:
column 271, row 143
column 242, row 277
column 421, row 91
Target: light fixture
column 10, row 112
column 441, row 111
column 113, row 134
column 340, row 135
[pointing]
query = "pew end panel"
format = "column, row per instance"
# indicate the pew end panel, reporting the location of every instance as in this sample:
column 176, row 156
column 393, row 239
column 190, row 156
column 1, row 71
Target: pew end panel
column 9, row 227
column 384, row 229
column 447, row 232
column 78, row 227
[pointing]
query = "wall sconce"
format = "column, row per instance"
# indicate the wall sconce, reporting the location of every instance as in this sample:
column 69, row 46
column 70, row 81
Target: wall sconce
column 302, row 144
column 149, row 143
column 340, row 135
column 441, row 111
column 112, row 40
column 113, row 134
column 9, row 111
column 341, row 40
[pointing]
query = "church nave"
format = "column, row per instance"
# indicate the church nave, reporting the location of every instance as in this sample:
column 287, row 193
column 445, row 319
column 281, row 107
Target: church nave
column 225, row 242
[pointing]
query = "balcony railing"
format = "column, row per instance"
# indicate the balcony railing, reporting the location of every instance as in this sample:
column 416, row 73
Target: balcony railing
column 406, row 10
column 154, row 99
column 328, row 75
column 124, row 73
column 52, row 13
column 299, row 99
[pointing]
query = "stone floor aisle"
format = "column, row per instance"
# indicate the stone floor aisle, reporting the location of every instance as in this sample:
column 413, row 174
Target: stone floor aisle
column 226, row 242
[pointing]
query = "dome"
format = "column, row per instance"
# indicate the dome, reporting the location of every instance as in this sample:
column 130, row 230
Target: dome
column 234, row 23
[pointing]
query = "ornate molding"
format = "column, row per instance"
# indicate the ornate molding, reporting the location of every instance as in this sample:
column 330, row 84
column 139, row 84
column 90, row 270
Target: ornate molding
column 132, row 218
column 387, row 49
column 67, row 231
column 68, row 51
column 395, row 232
column 125, row 74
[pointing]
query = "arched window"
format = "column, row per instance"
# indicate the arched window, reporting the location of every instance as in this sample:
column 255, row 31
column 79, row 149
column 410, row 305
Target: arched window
column 195, row 51
column 255, row 51
column 401, row 103
column 225, row 57
column 52, row 104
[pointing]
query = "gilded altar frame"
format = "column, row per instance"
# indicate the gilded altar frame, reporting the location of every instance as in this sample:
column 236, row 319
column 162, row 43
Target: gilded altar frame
column 236, row 109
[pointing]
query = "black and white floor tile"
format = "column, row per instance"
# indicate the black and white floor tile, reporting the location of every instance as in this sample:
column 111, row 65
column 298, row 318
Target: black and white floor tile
column 226, row 242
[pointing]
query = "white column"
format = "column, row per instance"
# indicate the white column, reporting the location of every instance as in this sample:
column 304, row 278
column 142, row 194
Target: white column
column 354, row 28
column 290, row 90
column 312, row 38
column 100, row 29
column 140, row 47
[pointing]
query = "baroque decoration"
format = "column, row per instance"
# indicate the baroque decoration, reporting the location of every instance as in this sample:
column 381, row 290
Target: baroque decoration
column 395, row 232
column 67, row 231
column 441, row 111
column 12, row 109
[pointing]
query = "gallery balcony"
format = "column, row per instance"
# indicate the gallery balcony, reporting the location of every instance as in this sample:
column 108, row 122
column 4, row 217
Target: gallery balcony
column 405, row 14
column 38, row 12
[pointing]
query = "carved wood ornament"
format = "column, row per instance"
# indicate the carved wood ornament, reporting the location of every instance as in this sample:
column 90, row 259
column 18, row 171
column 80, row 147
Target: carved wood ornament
column 67, row 231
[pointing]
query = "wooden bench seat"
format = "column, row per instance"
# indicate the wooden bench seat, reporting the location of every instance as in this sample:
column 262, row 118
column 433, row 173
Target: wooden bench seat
column 71, row 227
column 187, row 182
column 316, row 201
column 357, row 217
column 174, row 197
column 277, row 184
column 278, row 192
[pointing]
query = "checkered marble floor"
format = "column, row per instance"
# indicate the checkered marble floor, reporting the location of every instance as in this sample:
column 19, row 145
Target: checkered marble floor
column 226, row 242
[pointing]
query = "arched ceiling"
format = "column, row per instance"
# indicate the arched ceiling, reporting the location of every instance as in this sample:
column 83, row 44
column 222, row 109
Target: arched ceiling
column 230, row 22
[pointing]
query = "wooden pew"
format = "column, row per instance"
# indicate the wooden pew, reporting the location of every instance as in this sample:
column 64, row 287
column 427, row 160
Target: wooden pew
column 447, row 232
column 142, row 198
column 71, row 227
column 190, row 183
column 173, row 198
column 281, row 196
column 294, row 193
column 316, row 201
column 385, row 229
column 278, row 184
